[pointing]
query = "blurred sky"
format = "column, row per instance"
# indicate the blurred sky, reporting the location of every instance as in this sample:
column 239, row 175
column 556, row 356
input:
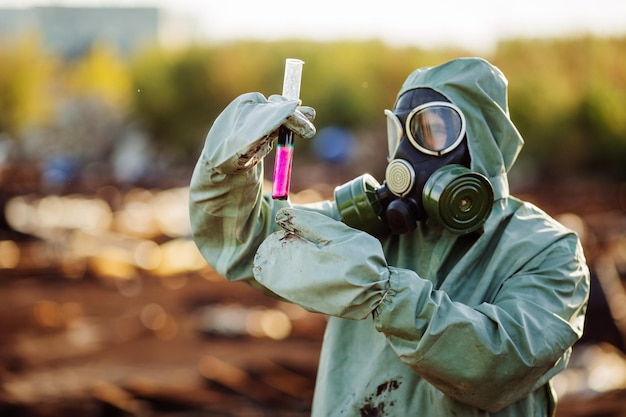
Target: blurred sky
column 474, row 24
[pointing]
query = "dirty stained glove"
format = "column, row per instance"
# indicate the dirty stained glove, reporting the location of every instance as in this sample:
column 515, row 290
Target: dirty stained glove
column 243, row 133
column 323, row 265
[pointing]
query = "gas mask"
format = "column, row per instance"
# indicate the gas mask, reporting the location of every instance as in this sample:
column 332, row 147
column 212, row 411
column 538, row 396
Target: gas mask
column 428, row 174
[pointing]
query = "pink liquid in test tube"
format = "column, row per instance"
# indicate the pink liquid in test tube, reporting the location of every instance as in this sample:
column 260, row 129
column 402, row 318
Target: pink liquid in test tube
column 284, row 146
column 282, row 170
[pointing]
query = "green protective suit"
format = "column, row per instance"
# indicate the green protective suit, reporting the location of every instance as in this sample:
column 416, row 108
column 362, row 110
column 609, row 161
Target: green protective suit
column 422, row 324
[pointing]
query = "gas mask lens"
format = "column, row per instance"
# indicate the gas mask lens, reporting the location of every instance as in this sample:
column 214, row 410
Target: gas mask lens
column 434, row 128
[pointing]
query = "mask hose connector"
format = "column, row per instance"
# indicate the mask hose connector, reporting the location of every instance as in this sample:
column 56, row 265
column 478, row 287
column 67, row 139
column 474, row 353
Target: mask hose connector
column 359, row 205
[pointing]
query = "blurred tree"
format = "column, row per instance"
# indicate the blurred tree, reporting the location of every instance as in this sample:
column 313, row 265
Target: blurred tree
column 26, row 85
column 100, row 73
column 566, row 98
column 176, row 94
column 601, row 120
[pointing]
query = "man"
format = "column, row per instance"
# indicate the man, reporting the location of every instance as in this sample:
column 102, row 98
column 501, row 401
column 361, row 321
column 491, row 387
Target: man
column 447, row 296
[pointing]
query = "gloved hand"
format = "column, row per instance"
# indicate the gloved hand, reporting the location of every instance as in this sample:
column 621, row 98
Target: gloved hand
column 243, row 133
column 323, row 265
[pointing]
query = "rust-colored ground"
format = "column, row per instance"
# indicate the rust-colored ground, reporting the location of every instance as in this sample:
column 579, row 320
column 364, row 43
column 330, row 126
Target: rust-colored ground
column 99, row 352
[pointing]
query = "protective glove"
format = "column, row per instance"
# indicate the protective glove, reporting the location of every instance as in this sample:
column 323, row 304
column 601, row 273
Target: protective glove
column 243, row 133
column 323, row 265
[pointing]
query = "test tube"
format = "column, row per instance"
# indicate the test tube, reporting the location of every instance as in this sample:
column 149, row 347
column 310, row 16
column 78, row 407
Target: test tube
column 284, row 145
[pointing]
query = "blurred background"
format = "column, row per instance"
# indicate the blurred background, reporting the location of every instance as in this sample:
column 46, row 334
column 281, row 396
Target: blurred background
column 106, row 306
